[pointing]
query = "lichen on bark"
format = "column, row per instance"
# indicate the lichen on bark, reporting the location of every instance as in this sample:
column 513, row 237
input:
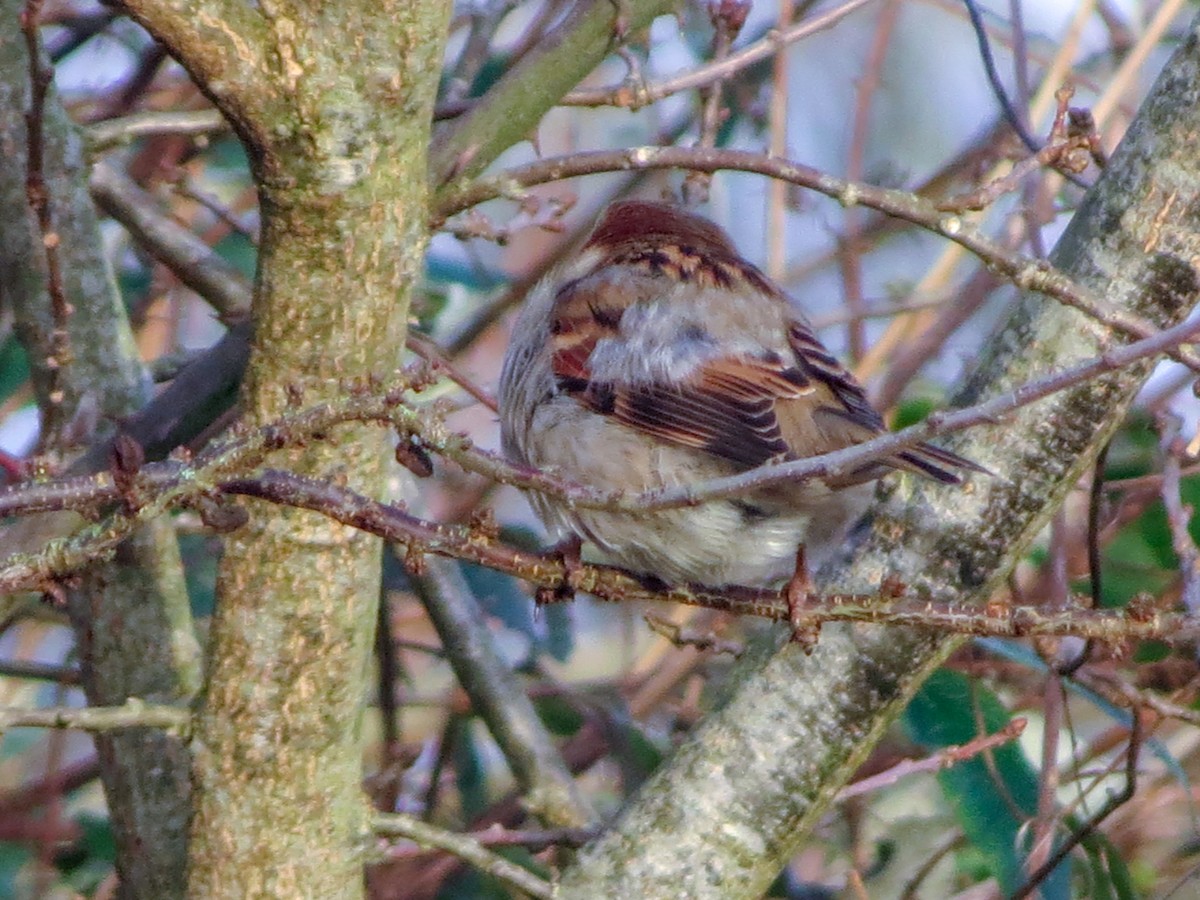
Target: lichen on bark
column 800, row 725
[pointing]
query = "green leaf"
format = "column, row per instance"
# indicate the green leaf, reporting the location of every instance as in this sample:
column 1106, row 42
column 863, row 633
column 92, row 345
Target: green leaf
column 470, row 773
column 239, row 251
column 912, row 411
column 1110, row 879
column 14, row 367
column 200, row 554
column 13, row 860
column 92, row 859
column 991, row 812
column 559, row 715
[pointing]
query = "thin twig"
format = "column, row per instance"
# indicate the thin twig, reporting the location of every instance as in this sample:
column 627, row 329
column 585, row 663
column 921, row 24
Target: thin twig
column 1119, row 691
column 943, row 759
column 1024, row 272
column 465, row 848
column 57, row 352
column 941, row 850
column 727, row 18
column 1061, row 151
column 133, row 713
column 113, row 133
column 614, row 584
column 777, row 190
column 993, row 76
column 851, row 245
column 717, row 70
column 1179, row 515
column 681, row 636
column 1053, row 700
column 437, row 358
column 1115, row 801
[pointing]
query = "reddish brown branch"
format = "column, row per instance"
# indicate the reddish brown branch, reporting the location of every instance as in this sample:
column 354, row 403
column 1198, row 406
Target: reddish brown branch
column 244, row 451
column 58, row 349
column 1026, row 273
column 609, row 583
column 943, row 759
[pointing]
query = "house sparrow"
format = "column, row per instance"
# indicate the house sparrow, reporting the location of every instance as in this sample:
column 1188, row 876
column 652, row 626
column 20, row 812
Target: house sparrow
column 659, row 357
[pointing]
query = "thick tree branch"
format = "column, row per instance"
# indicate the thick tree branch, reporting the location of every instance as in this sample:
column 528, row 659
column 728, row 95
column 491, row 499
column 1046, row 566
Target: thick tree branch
column 498, row 696
column 796, row 727
column 513, row 107
column 226, row 47
column 131, row 616
column 333, row 103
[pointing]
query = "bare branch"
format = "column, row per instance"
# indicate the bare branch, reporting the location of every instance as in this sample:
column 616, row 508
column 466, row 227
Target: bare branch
column 225, row 46
column 112, row 133
column 498, row 697
column 133, row 713
column 1026, row 273
column 943, row 759
column 465, row 848
column 715, row 71
column 190, row 259
column 888, row 607
column 513, row 107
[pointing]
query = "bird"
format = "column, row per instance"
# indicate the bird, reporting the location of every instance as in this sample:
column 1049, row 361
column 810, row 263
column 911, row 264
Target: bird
column 658, row 357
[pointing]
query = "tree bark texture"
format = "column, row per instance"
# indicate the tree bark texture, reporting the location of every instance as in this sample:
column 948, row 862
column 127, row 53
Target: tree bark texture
column 334, row 103
column 131, row 614
column 734, row 803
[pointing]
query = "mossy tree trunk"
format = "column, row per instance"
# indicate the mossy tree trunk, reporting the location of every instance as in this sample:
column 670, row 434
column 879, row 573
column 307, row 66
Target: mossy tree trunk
column 131, row 614
column 333, row 102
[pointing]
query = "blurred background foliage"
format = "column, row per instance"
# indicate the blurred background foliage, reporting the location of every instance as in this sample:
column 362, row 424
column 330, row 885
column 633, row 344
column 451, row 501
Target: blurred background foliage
column 893, row 92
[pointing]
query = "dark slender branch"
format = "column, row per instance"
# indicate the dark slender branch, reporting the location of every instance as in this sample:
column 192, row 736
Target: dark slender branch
column 497, row 695
column 189, row 258
column 57, row 354
column 16, row 668
column 466, row 848
column 1115, row 801
column 613, row 584
column 1095, row 561
column 1024, row 272
column 1014, row 119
